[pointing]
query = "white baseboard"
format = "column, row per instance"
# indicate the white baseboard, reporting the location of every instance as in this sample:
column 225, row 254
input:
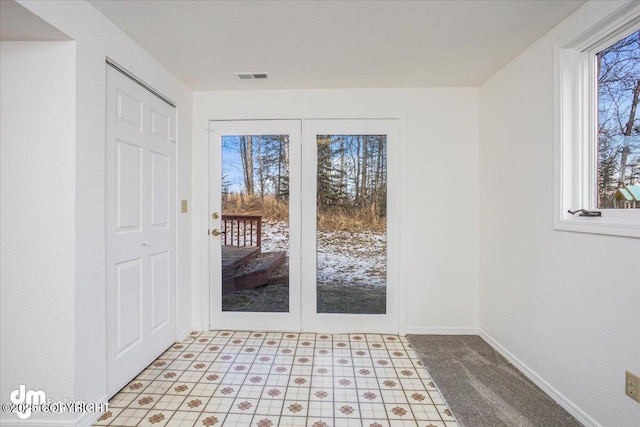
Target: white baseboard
column 88, row 418
column 184, row 334
column 560, row 399
column 440, row 331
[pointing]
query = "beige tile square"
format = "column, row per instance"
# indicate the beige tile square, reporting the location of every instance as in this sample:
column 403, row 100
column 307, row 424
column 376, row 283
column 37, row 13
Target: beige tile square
column 418, row 397
column 295, row 407
column 299, row 381
column 234, row 378
column 159, row 387
column 398, row 411
column 320, row 410
column 250, row 391
column 239, row 420
column 269, row 407
column 410, row 384
column 211, row 419
column 129, row 417
column 402, row 423
column 277, row 381
column 346, row 410
column 343, row 371
column 108, row 416
column 135, row 386
column 366, row 382
column 219, row 405
column 293, row 421
column 283, row 359
column 362, row 362
column 155, row 418
column 245, row 358
column 297, row 393
column 275, row 393
column 345, row 395
column 384, row 371
column 168, row 402
column 178, row 365
column 347, row 422
column 394, row 396
column 322, row 382
column 301, row 370
column 426, row 412
column 189, row 376
column 122, row 400
column 373, row 422
column 244, row 406
column 193, row 404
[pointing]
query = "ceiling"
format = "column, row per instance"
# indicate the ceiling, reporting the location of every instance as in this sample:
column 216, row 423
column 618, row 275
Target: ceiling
column 335, row 44
column 19, row 24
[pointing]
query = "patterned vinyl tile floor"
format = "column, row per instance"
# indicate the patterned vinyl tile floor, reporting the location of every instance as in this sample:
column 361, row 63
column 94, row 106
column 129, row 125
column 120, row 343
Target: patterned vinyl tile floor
column 269, row 379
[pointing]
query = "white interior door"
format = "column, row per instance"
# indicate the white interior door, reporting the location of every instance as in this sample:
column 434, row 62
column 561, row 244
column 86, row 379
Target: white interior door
column 350, row 223
column 254, row 224
column 140, row 222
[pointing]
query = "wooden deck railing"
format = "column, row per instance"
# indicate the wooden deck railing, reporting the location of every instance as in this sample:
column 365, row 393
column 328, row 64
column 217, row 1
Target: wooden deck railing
column 242, row 230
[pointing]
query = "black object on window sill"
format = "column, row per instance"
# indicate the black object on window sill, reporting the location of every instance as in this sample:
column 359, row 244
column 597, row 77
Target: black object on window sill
column 584, row 212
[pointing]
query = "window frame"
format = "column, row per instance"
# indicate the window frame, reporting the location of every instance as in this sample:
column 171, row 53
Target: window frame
column 576, row 121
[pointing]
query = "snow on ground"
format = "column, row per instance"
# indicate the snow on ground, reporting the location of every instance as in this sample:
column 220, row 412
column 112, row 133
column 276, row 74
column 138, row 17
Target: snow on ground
column 275, row 236
column 344, row 258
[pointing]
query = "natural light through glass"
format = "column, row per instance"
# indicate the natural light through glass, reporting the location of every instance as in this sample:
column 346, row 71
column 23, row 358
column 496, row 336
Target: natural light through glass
column 351, row 224
column 255, row 223
column 619, row 124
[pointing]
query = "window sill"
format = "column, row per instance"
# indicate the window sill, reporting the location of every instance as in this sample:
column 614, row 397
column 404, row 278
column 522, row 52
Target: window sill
column 624, row 227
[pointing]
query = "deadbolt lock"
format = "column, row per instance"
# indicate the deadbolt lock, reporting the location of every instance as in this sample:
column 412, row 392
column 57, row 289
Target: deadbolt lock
column 215, row 215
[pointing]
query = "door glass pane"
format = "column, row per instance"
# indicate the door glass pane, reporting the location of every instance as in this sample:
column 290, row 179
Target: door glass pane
column 351, row 224
column 255, row 223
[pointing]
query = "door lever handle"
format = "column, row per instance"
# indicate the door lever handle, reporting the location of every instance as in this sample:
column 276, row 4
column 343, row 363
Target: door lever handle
column 216, row 232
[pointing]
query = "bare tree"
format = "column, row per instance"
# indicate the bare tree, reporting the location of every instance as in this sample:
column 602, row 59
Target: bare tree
column 246, row 155
column 618, row 123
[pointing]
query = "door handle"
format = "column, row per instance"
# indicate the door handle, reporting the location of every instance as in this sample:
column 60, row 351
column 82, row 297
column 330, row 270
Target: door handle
column 216, row 232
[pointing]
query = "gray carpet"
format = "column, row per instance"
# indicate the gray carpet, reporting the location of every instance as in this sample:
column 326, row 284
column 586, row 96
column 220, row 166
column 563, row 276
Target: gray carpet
column 482, row 388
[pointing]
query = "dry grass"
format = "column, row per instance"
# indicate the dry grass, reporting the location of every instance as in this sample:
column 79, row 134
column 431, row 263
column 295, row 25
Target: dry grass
column 345, row 221
column 272, row 209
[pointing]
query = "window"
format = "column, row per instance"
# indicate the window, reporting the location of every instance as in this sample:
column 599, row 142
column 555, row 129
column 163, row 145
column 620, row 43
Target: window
column 618, row 133
column 597, row 150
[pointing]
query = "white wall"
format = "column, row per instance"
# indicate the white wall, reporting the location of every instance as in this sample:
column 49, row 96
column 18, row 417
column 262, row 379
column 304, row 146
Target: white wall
column 37, row 235
column 564, row 304
column 440, row 229
column 96, row 38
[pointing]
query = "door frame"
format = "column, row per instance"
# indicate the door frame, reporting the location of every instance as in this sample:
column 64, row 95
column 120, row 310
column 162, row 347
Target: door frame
column 396, row 186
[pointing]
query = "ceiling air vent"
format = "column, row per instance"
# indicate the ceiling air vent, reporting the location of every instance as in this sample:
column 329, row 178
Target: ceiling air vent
column 252, row 76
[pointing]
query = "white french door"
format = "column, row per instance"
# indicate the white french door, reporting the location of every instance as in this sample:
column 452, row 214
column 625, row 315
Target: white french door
column 342, row 223
column 254, row 170
column 350, row 223
column 140, row 228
